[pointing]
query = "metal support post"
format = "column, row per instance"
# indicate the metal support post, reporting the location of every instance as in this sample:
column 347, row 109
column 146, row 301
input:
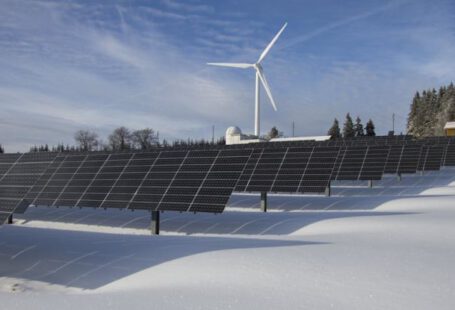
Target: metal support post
column 264, row 201
column 328, row 190
column 155, row 224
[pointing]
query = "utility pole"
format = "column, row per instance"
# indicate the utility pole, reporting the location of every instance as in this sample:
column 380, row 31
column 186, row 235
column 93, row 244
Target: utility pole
column 293, row 128
column 213, row 134
column 393, row 122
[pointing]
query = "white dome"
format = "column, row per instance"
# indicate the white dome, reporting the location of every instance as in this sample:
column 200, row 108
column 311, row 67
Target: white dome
column 233, row 131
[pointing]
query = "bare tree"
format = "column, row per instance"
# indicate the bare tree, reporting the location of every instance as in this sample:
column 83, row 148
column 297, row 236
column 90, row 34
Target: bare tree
column 87, row 140
column 120, row 139
column 144, row 139
column 274, row 133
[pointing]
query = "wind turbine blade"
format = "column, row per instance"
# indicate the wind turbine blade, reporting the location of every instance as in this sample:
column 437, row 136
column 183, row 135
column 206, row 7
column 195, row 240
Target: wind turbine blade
column 232, row 65
column 267, row 49
column 266, row 87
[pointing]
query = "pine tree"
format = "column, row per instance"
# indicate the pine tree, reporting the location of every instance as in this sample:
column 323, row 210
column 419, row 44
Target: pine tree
column 358, row 128
column 334, row 131
column 369, row 128
column 348, row 127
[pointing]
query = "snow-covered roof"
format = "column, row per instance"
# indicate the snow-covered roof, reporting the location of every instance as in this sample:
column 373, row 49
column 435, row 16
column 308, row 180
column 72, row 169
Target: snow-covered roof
column 450, row 125
column 315, row 138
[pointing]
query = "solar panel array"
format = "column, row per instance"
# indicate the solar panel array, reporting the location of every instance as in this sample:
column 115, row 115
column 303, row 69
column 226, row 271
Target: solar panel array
column 192, row 180
column 202, row 180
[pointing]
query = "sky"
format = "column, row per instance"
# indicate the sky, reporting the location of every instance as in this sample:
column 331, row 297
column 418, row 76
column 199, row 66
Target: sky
column 98, row 65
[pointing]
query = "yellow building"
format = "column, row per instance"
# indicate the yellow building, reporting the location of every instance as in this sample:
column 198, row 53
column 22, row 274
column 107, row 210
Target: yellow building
column 449, row 129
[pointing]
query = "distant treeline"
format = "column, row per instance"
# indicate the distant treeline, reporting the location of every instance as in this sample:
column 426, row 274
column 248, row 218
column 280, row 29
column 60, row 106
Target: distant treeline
column 121, row 139
column 430, row 110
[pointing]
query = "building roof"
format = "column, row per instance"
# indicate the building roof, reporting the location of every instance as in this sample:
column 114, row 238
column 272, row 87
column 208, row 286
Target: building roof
column 450, row 125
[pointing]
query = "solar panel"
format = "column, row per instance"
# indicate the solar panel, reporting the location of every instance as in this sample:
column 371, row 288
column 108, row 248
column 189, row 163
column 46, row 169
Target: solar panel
column 338, row 161
column 318, row 172
column 187, row 180
column 266, row 170
column 374, row 163
column 219, row 183
column 19, row 178
column 394, row 158
column 433, row 158
column 351, row 163
column 249, row 169
column 423, row 157
column 156, row 182
column 449, row 159
column 291, row 170
column 410, row 158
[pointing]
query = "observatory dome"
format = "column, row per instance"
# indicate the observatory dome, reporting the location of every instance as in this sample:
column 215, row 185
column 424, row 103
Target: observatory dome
column 233, row 131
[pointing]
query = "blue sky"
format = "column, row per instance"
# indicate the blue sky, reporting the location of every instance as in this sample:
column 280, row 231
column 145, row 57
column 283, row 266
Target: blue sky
column 68, row 65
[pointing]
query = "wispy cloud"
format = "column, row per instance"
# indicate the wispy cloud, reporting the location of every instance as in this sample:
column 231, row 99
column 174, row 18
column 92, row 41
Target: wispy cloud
column 187, row 6
column 68, row 65
column 342, row 22
column 80, row 76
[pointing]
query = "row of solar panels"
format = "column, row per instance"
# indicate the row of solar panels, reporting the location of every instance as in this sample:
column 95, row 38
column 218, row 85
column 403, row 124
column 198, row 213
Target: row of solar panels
column 341, row 142
column 197, row 180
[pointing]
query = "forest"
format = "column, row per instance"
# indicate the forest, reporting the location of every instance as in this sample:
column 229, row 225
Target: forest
column 430, row 110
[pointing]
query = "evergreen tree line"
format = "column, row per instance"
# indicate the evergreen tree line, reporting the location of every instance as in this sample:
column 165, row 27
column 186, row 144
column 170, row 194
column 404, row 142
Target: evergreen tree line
column 351, row 130
column 430, row 110
column 121, row 139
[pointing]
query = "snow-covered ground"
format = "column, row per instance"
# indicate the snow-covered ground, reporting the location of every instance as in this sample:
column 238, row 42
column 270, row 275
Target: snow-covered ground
column 389, row 247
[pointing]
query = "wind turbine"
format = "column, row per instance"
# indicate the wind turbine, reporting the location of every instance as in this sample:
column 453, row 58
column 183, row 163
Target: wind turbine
column 259, row 77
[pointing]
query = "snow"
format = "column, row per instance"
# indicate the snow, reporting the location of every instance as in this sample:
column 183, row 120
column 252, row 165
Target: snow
column 389, row 247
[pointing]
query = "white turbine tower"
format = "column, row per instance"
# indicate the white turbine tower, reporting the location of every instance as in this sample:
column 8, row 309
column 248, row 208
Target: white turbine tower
column 259, row 77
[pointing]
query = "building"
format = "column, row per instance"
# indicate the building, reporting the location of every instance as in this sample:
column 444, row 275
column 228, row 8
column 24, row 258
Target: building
column 449, row 129
column 235, row 136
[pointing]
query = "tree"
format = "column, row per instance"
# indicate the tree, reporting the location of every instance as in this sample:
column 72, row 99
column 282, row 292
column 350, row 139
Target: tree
column 87, row 140
column 334, row 131
column 144, row 139
column 369, row 128
column 348, row 127
column 358, row 128
column 2, row 150
column 120, row 139
column 273, row 133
